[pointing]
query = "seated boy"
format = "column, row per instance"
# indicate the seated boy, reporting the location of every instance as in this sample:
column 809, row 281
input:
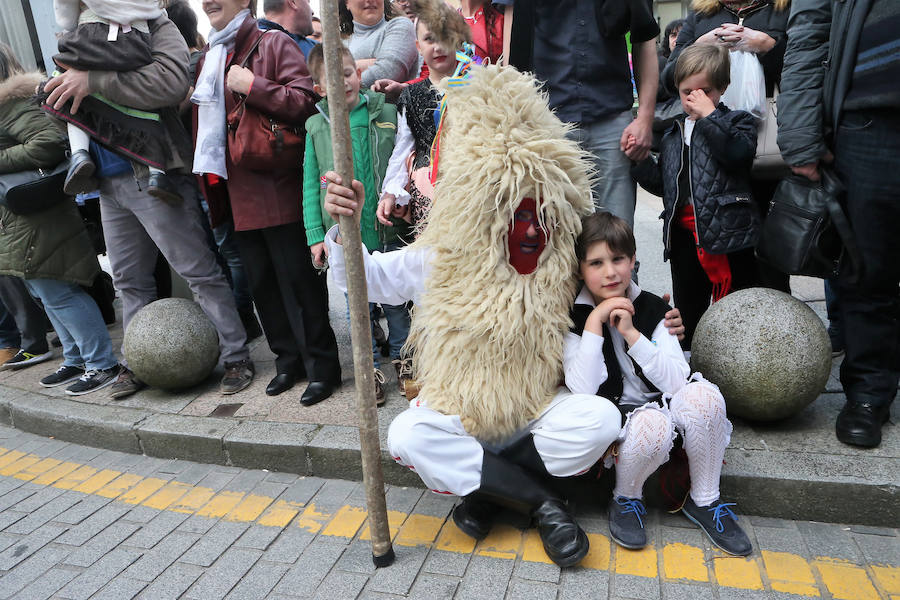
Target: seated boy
column 619, row 348
column 373, row 125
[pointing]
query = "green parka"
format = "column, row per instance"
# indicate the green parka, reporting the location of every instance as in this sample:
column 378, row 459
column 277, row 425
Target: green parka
column 52, row 244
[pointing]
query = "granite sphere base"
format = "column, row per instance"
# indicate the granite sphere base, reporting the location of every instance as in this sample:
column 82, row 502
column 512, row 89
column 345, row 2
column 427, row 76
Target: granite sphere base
column 171, row 344
column 768, row 352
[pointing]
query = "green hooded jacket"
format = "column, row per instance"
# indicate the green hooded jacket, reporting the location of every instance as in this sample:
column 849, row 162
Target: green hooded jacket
column 51, row 244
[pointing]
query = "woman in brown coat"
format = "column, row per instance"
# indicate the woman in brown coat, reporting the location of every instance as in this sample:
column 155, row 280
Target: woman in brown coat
column 265, row 206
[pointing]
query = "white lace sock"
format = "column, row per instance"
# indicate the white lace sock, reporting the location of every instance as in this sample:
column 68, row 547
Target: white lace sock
column 78, row 138
column 698, row 410
column 646, row 442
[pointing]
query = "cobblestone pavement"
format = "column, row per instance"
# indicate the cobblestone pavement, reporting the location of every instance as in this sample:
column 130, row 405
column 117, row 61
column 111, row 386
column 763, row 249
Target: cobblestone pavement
column 78, row 522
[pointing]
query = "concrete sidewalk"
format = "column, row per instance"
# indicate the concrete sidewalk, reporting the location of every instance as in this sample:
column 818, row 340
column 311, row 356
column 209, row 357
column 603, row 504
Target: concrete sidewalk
column 794, row 469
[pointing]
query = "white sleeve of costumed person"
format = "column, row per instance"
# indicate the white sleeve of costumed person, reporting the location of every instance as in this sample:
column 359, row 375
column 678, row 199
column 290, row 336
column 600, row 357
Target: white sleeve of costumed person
column 583, row 364
column 396, row 177
column 66, row 12
column 391, row 277
column 124, row 12
column 661, row 360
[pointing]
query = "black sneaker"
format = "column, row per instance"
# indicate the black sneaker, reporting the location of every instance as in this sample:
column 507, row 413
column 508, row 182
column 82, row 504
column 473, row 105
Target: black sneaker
column 24, row 359
column 93, row 380
column 80, row 176
column 625, row 524
column 720, row 526
column 64, row 374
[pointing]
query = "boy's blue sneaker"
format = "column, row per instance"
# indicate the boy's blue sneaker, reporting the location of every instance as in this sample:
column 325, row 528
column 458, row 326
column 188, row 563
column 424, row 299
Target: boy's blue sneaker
column 720, row 526
column 626, row 527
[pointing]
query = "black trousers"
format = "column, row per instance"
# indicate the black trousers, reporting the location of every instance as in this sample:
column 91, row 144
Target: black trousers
column 691, row 288
column 29, row 316
column 866, row 150
column 292, row 300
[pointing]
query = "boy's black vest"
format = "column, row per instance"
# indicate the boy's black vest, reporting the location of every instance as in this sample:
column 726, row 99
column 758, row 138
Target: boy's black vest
column 649, row 310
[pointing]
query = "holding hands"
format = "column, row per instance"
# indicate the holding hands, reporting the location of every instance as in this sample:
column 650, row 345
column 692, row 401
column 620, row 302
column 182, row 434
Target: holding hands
column 388, row 207
column 738, row 37
column 618, row 312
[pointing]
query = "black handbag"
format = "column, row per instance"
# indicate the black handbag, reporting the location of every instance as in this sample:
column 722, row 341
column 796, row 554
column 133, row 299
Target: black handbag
column 806, row 231
column 29, row 192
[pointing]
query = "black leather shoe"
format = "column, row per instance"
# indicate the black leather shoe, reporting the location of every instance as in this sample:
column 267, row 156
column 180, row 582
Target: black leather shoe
column 280, row 383
column 161, row 186
column 564, row 541
column 475, row 516
column 80, row 176
column 860, row 424
column 317, row 391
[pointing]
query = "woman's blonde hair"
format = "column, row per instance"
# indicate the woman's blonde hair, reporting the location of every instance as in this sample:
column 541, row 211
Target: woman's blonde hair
column 708, row 7
column 9, row 64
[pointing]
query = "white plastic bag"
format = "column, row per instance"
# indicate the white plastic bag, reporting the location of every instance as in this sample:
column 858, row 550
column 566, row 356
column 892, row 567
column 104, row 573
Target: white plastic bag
column 748, row 85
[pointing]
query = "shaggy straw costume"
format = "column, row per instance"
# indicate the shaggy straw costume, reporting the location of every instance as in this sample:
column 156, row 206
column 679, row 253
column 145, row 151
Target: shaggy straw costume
column 500, row 144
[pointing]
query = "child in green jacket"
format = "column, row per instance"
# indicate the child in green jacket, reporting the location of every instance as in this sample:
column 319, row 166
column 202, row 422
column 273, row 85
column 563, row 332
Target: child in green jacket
column 373, row 126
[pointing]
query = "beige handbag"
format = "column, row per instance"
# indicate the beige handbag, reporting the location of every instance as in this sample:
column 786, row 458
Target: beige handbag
column 768, row 163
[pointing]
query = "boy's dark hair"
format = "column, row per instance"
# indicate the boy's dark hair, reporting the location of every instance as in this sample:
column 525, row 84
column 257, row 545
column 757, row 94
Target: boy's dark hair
column 704, row 58
column 605, row 227
column 316, row 61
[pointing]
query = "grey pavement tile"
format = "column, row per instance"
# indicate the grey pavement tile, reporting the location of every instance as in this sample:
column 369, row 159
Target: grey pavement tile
column 632, row 586
column 194, row 473
column 333, row 493
column 42, row 515
column 258, row 537
column 443, row 562
column 8, row 517
column 288, row 546
column 172, row 583
column 676, row 535
column 214, row 543
column 7, row 540
column 780, row 540
column 141, row 514
column 537, row 571
column 357, row 497
column 486, row 578
column 247, row 480
column 120, row 588
column 87, row 506
column 174, row 467
column 99, row 574
column 785, row 596
column 521, row 589
column 302, row 490
column 18, row 496
column 770, row 522
column 726, row 593
column 868, row 530
column 8, row 484
column 398, row 578
column 681, row 591
column 357, row 558
column 879, row 549
column 49, row 583
column 197, row 524
column 434, row 587
column 157, row 560
column 823, row 539
column 156, row 529
column 31, row 569
column 403, row 498
column 311, row 568
column 100, row 544
column 216, row 480
column 285, row 478
column 435, row 505
column 218, row 580
column 94, row 524
column 77, row 454
column 28, row 545
column 341, row 585
column 259, row 581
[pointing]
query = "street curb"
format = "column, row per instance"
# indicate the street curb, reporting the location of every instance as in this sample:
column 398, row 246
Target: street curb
column 331, row 451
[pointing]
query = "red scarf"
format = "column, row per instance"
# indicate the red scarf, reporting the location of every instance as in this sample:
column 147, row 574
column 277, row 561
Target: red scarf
column 714, row 265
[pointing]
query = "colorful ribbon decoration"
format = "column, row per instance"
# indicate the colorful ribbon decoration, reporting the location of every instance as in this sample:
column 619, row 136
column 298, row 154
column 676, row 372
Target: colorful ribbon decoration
column 465, row 58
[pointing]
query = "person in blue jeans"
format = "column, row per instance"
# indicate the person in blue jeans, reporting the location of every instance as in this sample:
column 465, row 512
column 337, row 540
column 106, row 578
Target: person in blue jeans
column 50, row 249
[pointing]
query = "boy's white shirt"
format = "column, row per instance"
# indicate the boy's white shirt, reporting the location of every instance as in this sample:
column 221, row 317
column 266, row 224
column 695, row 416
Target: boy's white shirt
column 688, row 130
column 397, row 176
column 661, row 360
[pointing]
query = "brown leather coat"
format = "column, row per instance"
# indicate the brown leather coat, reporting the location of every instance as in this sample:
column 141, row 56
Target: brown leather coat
column 282, row 88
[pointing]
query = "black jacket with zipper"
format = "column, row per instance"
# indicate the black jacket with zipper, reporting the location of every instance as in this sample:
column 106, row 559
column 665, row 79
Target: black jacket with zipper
column 721, row 153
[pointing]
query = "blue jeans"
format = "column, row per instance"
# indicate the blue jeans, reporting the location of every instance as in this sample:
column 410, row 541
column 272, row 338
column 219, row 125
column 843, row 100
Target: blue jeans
column 866, row 147
column 9, row 334
column 224, row 235
column 397, row 316
column 614, row 190
column 77, row 322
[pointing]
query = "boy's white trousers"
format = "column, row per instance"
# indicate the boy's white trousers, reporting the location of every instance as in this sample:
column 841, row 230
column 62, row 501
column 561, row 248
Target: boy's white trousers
column 570, row 435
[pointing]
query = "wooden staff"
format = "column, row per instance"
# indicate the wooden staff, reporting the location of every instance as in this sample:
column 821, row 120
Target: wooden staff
column 360, row 326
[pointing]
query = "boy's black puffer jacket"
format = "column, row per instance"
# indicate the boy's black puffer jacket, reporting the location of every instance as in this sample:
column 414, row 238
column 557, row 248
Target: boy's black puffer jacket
column 721, row 155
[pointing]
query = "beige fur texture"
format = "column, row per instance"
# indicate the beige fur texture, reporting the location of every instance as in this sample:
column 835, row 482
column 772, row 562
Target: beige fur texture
column 489, row 341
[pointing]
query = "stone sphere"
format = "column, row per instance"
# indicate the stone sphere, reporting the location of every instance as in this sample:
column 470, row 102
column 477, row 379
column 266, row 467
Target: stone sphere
column 171, row 344
column 768, row 352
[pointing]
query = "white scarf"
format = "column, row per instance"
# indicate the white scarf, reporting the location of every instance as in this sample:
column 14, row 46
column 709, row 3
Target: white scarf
column 209, row 96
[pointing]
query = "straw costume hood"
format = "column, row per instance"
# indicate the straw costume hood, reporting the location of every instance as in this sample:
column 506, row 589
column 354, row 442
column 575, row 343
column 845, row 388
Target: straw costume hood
column 489, row 341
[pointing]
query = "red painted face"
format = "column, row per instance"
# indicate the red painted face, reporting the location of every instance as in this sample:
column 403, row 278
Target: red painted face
column 526, row 237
